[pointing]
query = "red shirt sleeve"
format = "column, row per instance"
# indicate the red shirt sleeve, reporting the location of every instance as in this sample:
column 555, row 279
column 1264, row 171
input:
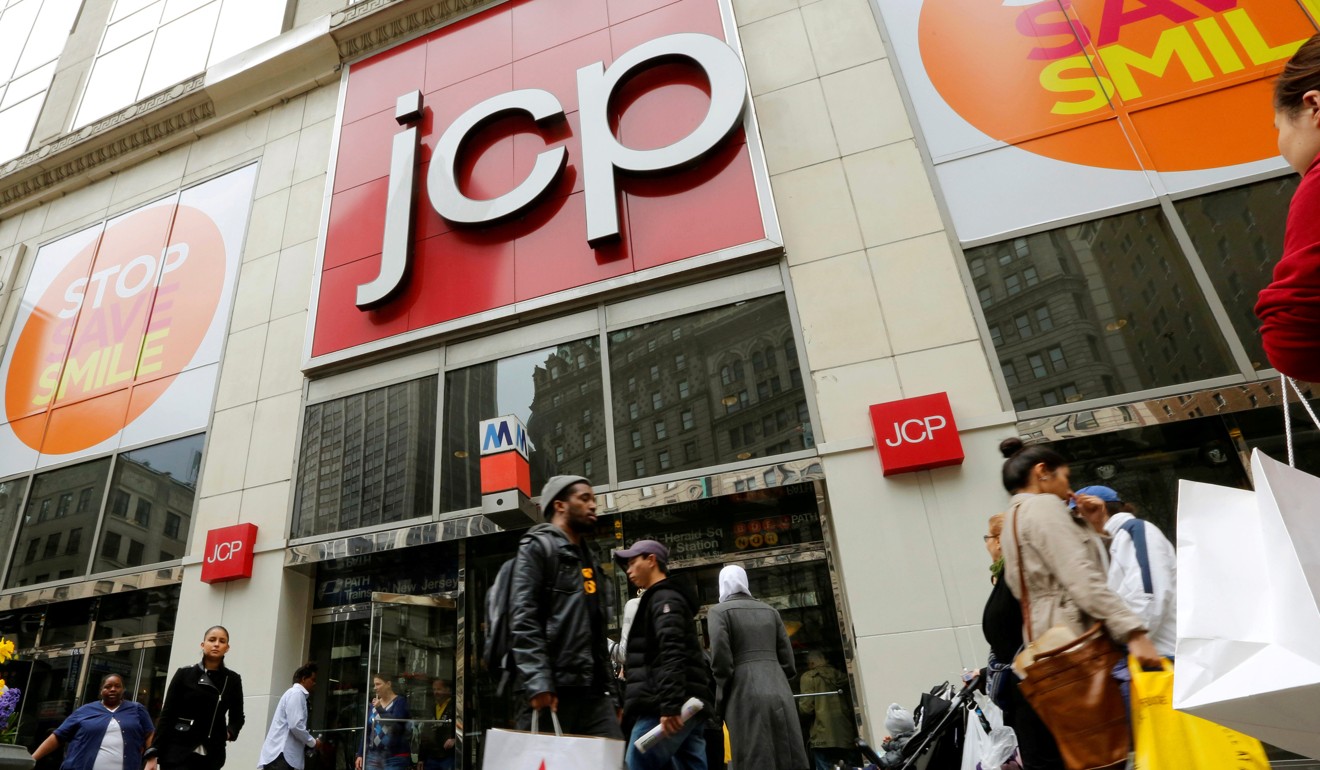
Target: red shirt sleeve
column 1289, row 308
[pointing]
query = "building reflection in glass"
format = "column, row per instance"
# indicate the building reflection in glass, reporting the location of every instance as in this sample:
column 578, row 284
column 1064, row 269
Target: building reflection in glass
column 1096, row 309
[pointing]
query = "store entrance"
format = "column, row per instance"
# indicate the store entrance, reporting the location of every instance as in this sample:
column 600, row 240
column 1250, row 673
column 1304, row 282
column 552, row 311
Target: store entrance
column 387, row 684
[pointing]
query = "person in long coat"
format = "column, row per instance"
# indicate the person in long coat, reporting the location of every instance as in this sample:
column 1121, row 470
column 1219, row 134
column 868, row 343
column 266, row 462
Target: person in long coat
column 753, row 664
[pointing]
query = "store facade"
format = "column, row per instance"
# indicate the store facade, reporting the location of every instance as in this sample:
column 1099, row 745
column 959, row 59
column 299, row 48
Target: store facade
column 688, row 244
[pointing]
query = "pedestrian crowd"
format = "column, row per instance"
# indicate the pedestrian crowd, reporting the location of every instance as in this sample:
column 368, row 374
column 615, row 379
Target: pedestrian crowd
column 658, row 677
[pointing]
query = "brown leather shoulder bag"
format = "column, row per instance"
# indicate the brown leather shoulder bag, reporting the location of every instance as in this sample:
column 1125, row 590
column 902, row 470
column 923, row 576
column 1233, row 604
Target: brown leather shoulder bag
column 1073, row 691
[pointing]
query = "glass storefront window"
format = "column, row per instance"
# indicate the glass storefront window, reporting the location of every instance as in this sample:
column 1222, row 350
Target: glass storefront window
column 151, row 502
column 556, row 392
column 1144, row 465
column 11, row 498
column 1113, row 309
column 733, row 371
column 367, row 459
column 71, row 532
column 133, row 613
column 1238, row 235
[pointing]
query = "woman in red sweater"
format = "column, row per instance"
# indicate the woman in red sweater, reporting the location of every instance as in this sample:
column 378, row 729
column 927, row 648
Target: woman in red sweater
column 1289, row 308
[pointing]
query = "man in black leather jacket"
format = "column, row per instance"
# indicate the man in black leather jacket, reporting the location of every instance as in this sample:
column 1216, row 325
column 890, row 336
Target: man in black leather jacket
column 665, row 665
column 557, row 600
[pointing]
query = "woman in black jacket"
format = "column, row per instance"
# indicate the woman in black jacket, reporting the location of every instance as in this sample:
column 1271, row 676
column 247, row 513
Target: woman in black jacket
column 203, row 710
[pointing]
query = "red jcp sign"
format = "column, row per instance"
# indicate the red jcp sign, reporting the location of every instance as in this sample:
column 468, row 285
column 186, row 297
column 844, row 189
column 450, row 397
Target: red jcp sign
column 916, row 434
column 531, row 153
column 228, row 554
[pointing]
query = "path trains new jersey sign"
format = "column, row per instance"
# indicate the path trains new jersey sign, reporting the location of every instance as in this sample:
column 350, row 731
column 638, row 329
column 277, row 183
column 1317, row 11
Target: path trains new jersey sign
column 538, row 151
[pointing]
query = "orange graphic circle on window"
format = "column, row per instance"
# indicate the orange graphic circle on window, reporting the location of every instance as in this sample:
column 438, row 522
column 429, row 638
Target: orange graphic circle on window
column 1166, row 85
column 108, row 336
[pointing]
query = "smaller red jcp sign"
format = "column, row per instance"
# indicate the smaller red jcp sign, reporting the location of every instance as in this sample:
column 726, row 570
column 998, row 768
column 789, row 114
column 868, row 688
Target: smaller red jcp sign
column 228, row 554
column 916, row 434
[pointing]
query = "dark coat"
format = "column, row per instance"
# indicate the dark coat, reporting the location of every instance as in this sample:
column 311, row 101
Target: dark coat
column 551, row 630
column 665, row 663
column 198, row 713
column 753, row 663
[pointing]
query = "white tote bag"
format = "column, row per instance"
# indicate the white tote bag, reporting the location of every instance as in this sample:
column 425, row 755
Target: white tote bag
column 1248, row 651
column 517, row 750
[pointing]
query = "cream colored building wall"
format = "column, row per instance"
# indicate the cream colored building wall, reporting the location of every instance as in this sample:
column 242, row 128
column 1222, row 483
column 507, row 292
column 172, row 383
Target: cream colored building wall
column 249, row 458
column 885, row 316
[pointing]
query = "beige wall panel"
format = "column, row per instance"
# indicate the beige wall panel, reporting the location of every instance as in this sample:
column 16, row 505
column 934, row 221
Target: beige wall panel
column 778, row 53
column 841, row 318
column 897, row 668
column 816, row 214
column 844, row 393
column 865, row 107
column 256, row 281
column 274, row 440
column 240, row 372
column 226, row 453
column 266, row 226
column 795, row 127
column 921, row 293
column 892, row 194
column 884, row 536
column 843, row 34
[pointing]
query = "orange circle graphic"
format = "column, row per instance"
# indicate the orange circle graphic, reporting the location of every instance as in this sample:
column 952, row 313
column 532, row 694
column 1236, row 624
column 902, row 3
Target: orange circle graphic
column 1164, row 85
column 102, row 343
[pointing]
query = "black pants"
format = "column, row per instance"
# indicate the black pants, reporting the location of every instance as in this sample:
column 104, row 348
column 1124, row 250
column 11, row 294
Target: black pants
column 579, row 714
column 194, row 762
column 278, row 763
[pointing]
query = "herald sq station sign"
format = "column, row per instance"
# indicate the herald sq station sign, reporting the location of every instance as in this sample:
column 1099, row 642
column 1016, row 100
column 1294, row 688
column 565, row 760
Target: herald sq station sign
column 524, row 156
column 916, row 434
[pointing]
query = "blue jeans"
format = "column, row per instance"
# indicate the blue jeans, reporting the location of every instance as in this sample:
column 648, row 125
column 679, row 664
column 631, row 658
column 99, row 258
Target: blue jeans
column 684, row 751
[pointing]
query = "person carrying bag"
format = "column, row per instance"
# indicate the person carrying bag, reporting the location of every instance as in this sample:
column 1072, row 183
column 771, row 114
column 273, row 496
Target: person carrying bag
column 1071, row 620
column 1171, row 740
column 517, row 749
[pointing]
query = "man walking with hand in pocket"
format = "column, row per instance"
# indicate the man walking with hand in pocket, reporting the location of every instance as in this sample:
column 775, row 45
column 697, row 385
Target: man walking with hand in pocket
column 665, row 665
column 283, row 749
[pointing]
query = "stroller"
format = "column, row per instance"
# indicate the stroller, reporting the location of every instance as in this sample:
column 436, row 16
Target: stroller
column 937, row 744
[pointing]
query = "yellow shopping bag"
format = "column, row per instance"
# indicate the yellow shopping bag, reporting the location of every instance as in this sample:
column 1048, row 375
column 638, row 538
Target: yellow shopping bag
column 1171, row 740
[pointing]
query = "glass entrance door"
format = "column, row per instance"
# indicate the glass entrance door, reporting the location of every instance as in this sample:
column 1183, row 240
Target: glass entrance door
column 411, row 711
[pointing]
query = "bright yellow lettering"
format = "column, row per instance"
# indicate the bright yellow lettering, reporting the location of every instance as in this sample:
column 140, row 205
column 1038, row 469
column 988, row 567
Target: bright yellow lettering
column 114, row 376
column 73, row 373
column 1052, row 78
column 148, row 351
column 1313, row 8
column 101, row 370
column 48, row 380
column 1217, row 42
column 1253, row 43
column 1176, row 41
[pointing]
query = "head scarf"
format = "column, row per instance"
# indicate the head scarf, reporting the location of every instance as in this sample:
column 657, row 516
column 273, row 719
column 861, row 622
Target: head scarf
column 733, row 580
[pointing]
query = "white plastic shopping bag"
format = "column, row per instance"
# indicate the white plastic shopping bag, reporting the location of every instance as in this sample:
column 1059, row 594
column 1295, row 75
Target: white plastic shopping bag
column 517, row 750
column 1248, row 652
column 979, row 745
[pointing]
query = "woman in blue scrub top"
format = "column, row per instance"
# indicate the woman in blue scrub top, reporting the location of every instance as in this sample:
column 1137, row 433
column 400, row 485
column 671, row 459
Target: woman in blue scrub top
column 109, row 734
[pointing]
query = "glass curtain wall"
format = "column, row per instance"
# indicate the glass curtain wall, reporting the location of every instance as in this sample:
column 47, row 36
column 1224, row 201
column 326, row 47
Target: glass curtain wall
column 693, row 391
column 71, row 526
column 1113, row 306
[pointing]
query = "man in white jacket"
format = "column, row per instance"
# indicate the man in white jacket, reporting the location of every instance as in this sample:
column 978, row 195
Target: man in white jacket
column 283, row 747
column 1152, row 596
column 1149, row 590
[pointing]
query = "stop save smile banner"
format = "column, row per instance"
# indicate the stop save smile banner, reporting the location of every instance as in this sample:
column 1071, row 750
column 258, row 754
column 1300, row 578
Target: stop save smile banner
column 118, row 338
column 1039, row 110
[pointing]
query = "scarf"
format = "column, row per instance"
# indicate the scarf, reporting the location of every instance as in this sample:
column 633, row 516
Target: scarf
column 733, row 580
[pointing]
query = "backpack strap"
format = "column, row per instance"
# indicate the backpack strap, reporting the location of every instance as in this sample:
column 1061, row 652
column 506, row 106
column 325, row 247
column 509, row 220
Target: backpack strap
column 1136, row 529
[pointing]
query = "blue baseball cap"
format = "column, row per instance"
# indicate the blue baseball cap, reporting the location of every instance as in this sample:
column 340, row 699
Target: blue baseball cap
column 1104, row 493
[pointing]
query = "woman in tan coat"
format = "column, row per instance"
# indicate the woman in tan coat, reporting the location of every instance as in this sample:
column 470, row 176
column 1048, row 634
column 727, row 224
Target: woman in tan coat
column 1060, row 555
